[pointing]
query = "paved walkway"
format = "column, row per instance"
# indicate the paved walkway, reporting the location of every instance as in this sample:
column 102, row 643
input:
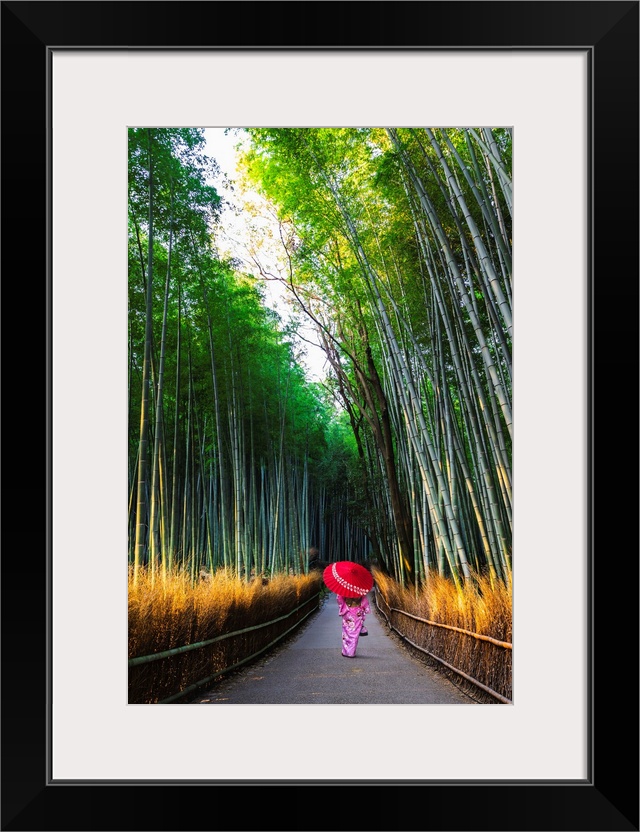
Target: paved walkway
column 310, row 669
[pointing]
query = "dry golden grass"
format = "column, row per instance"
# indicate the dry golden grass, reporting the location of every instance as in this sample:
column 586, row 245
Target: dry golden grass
column 170, row 613
column 477, row 607
column 167, row 614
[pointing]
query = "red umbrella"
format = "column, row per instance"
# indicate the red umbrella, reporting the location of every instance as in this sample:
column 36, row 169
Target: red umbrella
column 347, row 578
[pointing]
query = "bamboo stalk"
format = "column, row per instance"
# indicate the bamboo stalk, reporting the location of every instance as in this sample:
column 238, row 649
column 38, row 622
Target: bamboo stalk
column 506, row 644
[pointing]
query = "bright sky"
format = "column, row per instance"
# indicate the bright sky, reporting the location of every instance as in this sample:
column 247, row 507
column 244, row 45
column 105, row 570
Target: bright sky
column 248, row 229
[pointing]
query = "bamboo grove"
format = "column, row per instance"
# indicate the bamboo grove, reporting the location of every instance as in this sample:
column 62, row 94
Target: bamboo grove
column 397, row 247
column 399, row 244
column 229, row 462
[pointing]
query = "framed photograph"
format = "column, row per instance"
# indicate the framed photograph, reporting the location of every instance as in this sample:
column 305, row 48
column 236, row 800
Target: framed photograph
column 564, row 77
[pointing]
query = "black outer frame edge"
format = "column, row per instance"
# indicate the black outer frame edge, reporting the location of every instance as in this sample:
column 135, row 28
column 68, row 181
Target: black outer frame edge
column 384, row 24
column 615, row 88
column 608, row 802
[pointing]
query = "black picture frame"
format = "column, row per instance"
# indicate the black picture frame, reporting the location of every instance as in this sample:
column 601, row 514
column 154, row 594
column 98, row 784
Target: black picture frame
column 607, row 801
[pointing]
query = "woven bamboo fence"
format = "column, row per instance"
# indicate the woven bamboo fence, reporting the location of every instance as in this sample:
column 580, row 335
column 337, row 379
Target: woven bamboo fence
column 479, row 664
column 171, row 675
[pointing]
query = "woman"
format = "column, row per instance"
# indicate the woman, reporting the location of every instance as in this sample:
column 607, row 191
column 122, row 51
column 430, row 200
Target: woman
column 352, row 611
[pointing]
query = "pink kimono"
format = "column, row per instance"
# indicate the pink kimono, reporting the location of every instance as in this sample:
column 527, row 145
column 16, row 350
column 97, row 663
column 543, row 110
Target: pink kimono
column 352, row 624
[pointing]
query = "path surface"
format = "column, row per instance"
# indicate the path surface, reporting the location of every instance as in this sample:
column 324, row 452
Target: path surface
column 310, row 669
